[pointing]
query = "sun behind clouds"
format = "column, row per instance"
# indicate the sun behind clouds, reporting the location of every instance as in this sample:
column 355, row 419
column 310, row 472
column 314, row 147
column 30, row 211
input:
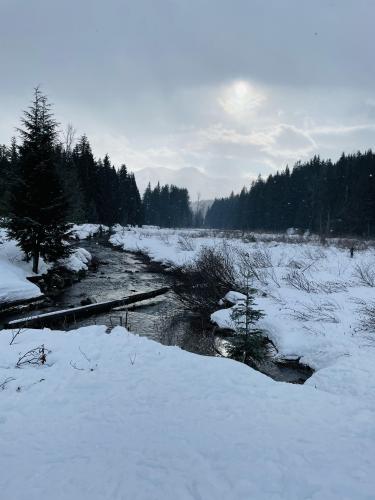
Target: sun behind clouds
column 240, row 98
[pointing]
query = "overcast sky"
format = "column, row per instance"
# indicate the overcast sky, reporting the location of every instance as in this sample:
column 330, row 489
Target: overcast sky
column 223, row 89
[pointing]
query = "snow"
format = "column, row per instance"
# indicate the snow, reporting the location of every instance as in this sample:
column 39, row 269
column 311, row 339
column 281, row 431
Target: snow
column 222, row 318
column 161, row 245
column 234, row 297
column 78, row 260
column 119, row 416
column 322, row 326
column 13, row 273
column 84, row 231
column 14, row 270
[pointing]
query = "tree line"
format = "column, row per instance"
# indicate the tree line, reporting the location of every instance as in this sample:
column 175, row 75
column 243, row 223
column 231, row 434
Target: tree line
column 47, row 183
column 325, row 197
column 167, row 206
column 95, row 191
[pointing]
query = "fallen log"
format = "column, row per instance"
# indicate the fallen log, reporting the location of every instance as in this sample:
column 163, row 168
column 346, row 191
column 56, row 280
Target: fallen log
column 41, row 320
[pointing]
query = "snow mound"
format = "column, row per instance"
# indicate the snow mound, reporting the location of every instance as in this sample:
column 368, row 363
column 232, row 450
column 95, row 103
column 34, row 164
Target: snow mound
column 234, row 297
column 84, row 231
column 119, row 416
column 78, row 260
column 13, row 273
column 223, row 319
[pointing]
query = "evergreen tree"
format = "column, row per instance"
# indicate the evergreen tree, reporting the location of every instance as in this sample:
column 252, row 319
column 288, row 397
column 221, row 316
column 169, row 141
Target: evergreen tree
column 4, row 177
column 123, row 201
column 107, row 193
column 69, row 177
column 248, row 345
column 87, row 172
column 147, row 204
column 135, row 213
column 167, row 206
column 38, row 205
column 324, row 197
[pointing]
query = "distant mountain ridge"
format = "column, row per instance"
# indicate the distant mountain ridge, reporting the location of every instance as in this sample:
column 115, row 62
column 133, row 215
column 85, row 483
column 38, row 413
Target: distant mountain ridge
column 201, row 205
column 198, row 183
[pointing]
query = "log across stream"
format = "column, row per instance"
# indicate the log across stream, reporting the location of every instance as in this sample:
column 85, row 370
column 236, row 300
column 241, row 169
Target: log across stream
column 161, row 318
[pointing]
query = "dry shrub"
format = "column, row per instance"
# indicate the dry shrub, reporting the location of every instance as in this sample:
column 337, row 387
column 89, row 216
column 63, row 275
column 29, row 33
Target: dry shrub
column 258, row 264
column 314, row 253
column 323, row 311
column 296, row 264
column 367, row 316
column 186, row 243
column 201, row 284
column 364, row 272
column 36, row 356
column 164, row 237
column 298, row 280
column 348, row 243
column 262, row 258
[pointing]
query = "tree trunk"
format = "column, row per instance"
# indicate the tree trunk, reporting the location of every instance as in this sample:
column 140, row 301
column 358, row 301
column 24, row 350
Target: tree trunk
column 36, row 252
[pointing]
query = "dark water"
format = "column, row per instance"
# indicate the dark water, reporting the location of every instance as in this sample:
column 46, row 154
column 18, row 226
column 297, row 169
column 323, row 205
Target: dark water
column 163, row 319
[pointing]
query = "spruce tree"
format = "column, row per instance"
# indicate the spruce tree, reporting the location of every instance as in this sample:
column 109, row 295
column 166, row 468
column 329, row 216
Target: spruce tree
column 135, row 213
column 38, row 204
column 123, row 200
column 87, row 171
column 147, row 202
column 248, row 345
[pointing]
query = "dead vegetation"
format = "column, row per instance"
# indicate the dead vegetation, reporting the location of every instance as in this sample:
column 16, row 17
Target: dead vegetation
column 298, row 280
column 364, row 273
column 366, row 312
column 36, row 356
column 318, row 311
column 200, row 285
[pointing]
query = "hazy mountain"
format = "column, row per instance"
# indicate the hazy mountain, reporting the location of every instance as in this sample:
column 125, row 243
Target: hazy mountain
column 193, row 179
column 201, row 205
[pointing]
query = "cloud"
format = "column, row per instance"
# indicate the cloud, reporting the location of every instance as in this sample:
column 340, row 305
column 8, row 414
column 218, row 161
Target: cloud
column 335, row 139
column 289, row 142
column 240, row 99
column 227, row 89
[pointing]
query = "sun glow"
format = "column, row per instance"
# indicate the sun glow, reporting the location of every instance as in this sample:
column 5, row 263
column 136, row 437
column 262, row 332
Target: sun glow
column 240, row 98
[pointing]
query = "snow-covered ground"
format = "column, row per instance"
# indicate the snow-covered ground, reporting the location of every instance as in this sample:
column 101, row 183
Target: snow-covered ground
column 14, row 270
column 312, row 296
column 117, row 416
column 121, row 417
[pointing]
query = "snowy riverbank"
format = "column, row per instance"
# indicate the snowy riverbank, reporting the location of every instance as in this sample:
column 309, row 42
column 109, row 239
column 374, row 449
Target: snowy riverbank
column 314, row 299
column 14, row 270
column 119, row 416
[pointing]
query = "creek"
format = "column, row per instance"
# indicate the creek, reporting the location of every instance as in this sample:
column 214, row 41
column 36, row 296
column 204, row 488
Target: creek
column 162, row 319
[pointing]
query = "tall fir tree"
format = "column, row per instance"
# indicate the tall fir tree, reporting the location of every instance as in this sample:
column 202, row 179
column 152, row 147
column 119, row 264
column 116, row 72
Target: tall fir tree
column 38, row 205
column 87, row 172
column 123, row 196
column 135, row 213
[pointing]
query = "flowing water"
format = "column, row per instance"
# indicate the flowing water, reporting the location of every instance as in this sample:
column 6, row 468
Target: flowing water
column 163, row 318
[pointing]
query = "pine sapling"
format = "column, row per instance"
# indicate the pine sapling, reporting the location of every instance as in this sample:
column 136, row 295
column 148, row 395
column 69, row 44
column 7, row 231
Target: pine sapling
column 248, row 345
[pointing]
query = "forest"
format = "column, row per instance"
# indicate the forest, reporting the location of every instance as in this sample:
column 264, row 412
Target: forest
column 94, row 189
column 324, row 197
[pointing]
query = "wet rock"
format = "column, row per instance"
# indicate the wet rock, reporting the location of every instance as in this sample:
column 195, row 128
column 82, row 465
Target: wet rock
column 94, row 264
column 87, row 301
column 57, row 281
